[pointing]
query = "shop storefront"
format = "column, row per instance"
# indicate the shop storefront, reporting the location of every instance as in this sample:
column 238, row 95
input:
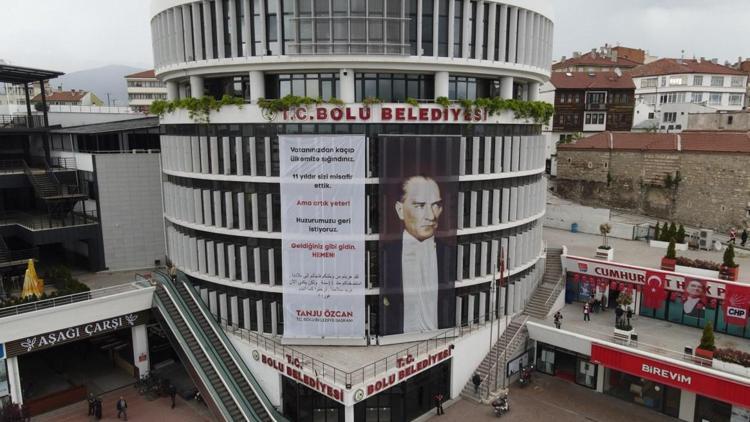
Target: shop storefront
column 4, row 386
column 677, row 298
column 566, row 364
column 655, row 396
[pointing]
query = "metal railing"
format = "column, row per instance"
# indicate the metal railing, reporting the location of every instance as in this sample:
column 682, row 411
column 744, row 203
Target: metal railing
column 9, row 255
column 18, row 121
column 46, row 222
column 359, row 375
column 11, row 166
column 491, row 383
column 69, row 299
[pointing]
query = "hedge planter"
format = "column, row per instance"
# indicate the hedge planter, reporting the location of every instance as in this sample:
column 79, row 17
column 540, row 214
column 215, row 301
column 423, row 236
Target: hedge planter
column 704, row 353
column 696, row 271
column 664, row 245
column 729, row 273
column 733, row 368
column 607, row 254
column 668, row 264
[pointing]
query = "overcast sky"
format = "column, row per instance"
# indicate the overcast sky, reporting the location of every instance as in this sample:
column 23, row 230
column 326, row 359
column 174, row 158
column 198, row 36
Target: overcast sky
column 71, row 35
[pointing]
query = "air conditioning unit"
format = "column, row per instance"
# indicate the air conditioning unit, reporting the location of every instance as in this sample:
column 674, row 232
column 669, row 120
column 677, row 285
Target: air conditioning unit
column 706, row 240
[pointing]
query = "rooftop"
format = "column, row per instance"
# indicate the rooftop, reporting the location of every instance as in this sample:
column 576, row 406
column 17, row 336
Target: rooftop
column 19, row 75
column 703, row 142
column 63, row 96
column 681, row 66
column 110, row 127
column 595, row 59
column 593, row 80
column 146, row 74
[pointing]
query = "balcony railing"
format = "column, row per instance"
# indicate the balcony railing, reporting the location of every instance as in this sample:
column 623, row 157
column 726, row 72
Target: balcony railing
column 596, row 107
column 47, row 222
column 20, row 121
column 8, row 256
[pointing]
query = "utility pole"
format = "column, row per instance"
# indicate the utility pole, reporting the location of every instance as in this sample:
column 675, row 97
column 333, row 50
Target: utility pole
column 108, row 99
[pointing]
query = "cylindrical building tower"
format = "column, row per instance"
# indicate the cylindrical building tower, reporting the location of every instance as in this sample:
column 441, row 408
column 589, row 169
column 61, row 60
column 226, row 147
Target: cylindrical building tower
column 395, row 82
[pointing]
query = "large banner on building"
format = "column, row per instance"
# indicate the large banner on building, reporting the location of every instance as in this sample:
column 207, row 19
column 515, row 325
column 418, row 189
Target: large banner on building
column 322, row 231
column 417, row 247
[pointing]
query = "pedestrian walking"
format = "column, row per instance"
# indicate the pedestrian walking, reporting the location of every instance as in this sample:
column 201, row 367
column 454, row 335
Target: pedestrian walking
column 558, row 319
column 743, row 237
column 476, row 379
column 629, row 314
column 618, row 315
column 604, row 303
column 439, row 404
column 92, row 402
column 586, row 312
column 733, row 236
column 172, row 393
column 122, row 408
column 98, row 408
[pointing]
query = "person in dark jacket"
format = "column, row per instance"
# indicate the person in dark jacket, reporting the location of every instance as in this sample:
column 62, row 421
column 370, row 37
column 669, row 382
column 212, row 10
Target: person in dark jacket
column 476, row 380
column 98, row 408
column 743, row 237
column 92, row 403
column 172, row 393
column 122, row 408
column 439, row 404
column 618, row 315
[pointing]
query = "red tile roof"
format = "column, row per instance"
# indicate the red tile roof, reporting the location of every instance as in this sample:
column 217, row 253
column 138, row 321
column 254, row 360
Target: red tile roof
column 687, row 142
column 146, row 74
column 595, row 60
column 65, row 96
column 582, row 80
column 678, row 66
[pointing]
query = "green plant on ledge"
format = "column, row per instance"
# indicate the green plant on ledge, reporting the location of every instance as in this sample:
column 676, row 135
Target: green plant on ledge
column 368, row 101
column 198, row 109
column 412, row 102
column 336, row 101
column 290, row 101
column 444, row 102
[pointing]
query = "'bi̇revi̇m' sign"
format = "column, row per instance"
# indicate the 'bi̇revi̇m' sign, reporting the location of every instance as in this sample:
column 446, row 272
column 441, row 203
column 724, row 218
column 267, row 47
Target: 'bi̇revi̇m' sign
column 79, row 332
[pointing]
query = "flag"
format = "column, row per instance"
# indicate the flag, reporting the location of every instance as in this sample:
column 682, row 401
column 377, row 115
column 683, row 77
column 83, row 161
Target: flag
column 736, row 303
column 654, row 292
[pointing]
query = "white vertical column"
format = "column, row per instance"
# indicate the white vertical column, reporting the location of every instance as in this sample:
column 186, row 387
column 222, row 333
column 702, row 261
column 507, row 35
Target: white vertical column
column 226, row 156
column 471, row 309
column 482, row 307
column 247, row 28
column 246, row 313
column 451, row 26
column 472, row 260
column 187, row 27
column 257, row 82
column 207, row 215
column 220, row 28
column 513, row 204
column 202, row 266
column 197, row 32
column 198, row 206
column 243, row 264
column 521, row 49
column 465, row 29
column 212, row 305
column 495, row 207
column 179, row 32
column 473, row 209
column 14, row 380
column 475, row 144
column 487, row 165
column 483, row 251
column 461, row 199
column 214, row 142
column 512, row 35
column 221, row 262
column 274, row 319
column 208, row 24
column 267, row 153
column 269, row 212
column 458, row 311
column 259, row 315
column 254, row 211
column 460, row 262
column 271, row 268
column 462, row 156
column 485, row 207
column 241, row 210
column 419, row 27
column 222, row 307
column 516, row 154
column 505, row 207
column 238, row 156
column 217, row 209
column 435, row 25
column 229, row 209
column 503, row 38
column 256, row 265
column 193, row 254
column 233, row 36
column 231, row 262
column 234, row 311
column 491, row 25
column 211, row 257
column 479, row 30
column 253, row 156
column 498, row 159
column 139, row 336
column 205, row 156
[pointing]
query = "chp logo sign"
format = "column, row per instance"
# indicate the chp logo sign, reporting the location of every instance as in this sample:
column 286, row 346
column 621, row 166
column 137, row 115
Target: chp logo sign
column 736, row 303
column 583, row 267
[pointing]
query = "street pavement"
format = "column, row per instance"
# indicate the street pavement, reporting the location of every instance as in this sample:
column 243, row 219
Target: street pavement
column 553, row 399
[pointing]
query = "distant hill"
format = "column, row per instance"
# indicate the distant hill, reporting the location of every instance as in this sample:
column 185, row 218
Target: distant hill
column 100, row 81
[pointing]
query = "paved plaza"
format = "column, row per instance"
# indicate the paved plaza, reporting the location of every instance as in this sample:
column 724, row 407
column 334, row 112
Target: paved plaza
column 553, row 399
column 139, row 409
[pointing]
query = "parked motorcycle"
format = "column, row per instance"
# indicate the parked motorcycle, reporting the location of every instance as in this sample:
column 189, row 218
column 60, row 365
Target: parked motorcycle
column 501, row 406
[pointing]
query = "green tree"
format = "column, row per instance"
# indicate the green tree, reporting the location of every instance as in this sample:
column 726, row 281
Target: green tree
column 729, row 256
column 707, row 340
column 671, row 254
column 656, row 231
column 672, row 231
column 681, row 234
column 665, row 233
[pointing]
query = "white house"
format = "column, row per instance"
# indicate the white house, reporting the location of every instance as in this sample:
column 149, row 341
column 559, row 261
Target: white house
column 667, row 90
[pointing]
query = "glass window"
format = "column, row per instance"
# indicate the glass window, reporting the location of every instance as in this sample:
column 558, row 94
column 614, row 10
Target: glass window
column 649, row 83
column 324, row 85
column 458, row 10
column 393, row 87
column 735, row 99
column 443, row 28
column 697, row 80
column 715, row 98
column 717, row 81
column 738, row 81
column 427, row 12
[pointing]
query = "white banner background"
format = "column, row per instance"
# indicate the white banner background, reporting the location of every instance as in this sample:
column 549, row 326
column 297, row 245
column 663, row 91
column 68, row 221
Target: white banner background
column 323, row 227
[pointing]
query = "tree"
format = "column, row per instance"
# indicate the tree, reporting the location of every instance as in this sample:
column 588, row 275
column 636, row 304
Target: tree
column 707, row 340
column 665, row 233
column 729, row 257
column 672, row 231
column 671, row 254
column 656, row 231
column 681, row 234
column 604, row 229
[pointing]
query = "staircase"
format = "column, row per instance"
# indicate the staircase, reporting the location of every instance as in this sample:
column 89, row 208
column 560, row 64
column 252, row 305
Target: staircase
column 492, row 368
column 45, row 186
column 192, row 303
column 546, row 293
column 194, row 349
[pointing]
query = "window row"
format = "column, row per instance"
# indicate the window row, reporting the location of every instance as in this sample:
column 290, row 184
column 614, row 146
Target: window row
column 147, row 96
column 698, row 80
column 258, row 262
column 212, row 29
column 263, row 311
column 257, row 207
column 259, row 156
column 145, row 84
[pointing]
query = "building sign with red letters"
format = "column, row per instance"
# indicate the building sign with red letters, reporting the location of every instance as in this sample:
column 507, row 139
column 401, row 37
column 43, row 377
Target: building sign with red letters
column 390, row 113
column 681, row 377
column 292, row 367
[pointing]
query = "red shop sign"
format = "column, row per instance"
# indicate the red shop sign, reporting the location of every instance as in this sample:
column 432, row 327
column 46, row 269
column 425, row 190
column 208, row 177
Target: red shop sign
column 676, row 376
